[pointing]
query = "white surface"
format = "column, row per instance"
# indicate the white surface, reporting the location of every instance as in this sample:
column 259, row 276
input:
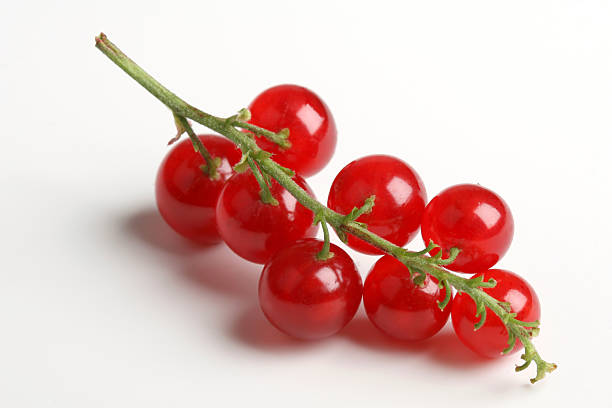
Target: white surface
column 102, row 305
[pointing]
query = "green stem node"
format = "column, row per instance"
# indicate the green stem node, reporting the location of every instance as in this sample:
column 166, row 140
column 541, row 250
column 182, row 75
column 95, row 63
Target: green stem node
column 325, row 253
column 212, row 163
column 264, row 190
column 261, row 163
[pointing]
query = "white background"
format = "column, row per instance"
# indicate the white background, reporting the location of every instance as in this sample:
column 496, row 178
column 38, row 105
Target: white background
column 101, row 305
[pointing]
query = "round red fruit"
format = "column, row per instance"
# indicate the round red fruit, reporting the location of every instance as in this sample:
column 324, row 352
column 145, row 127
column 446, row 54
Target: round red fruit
column 399, row 307
column 400, row 198
column 255, row 230
column 186, row 196
column 492, row 338
column 312, row 130
column 309, row 298
column 473, row 219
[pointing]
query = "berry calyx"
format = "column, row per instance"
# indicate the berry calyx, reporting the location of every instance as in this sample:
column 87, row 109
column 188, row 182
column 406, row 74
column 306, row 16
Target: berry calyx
column 255, row 230
column 343, row 224
column 308, row 298
column 311, row 126
column 473, row 219
column 400, row 198
column 399, row 307
column 491, row 339
column 185, row 193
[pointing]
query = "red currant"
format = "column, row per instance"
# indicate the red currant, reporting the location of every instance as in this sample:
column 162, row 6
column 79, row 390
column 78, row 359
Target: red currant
column 308, row 298
column 312, row 130
column 492, row 338
column 400, row 198
column 398, row 307
column 473, row 219
column 186, row 196
column 255, row 230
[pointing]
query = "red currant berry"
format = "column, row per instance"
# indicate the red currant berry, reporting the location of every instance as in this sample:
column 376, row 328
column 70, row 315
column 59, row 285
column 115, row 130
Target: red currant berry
column 312, row 130
column 398, row 307
column 186, row 196
column 255, row 230
column 400, row 198
column 308, row 298
column 492, row 338
column 473, row 219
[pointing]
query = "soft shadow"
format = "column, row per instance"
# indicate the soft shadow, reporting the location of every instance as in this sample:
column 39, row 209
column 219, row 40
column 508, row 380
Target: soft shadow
column 148, row 227
column 363, row 333
column 447, row 349
column 212, row 267
column 444, row 348
column 223, row 272
column 252, row 329
column 216, row 269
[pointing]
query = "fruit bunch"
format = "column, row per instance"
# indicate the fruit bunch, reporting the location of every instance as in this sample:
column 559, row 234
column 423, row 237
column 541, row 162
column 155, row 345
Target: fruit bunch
column 248, row 190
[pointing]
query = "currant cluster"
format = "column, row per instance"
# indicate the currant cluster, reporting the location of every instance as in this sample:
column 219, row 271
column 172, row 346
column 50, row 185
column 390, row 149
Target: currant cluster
column 211, row 189
column 311, row 291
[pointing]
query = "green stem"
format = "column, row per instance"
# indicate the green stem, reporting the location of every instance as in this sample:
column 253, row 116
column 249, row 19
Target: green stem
column 264, row 190
column 324, row 254
column 357, row 212
column 414, row 261
column 447, row 294
column 280, row 138
column 210, row 168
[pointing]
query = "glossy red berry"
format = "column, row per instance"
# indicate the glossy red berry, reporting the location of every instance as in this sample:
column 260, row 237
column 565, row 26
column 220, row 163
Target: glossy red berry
column 473, row 219
column 186, row 196
column 492, row 338
column 400, row 198
column 312, row 130
column 398, row 307
column 308, row 298
column 255, row 230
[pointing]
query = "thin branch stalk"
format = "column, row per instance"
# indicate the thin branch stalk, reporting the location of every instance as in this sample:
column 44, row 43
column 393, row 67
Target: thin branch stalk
column 414, row 261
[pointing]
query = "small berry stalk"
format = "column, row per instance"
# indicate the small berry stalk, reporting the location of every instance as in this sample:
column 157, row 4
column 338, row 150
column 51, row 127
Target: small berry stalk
column 263, row 167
